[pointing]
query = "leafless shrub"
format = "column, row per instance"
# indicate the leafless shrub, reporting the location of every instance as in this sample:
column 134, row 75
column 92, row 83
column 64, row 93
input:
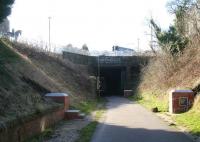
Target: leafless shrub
column 166, row 72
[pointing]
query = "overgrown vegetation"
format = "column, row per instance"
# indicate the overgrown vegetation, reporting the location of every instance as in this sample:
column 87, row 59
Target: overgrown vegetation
column 72, row 79
column 90, row 106
column 170, row 41
column 151, row 100
column 180, row 9
column 176, row 57
column 175, row 40
column 176, row 65
column 5, row 8
column 165, row 72
column 13, row 103
column 27, row 74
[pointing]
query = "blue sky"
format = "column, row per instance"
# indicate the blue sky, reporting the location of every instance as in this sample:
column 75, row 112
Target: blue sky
column 98, row 23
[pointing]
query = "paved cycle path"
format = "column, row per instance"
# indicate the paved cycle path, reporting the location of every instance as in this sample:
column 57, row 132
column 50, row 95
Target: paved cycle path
column 126, row 121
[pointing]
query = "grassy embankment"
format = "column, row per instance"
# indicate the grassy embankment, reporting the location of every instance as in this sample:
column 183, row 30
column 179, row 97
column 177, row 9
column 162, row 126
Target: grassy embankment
column 20, row 95
column 28, row 73
column 165, row 72
column 87, row 105
column 72, row 78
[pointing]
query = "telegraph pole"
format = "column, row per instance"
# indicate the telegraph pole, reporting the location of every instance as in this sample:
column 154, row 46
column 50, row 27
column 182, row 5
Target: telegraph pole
column 138, row 40
column 151, row 36
column 49, row 33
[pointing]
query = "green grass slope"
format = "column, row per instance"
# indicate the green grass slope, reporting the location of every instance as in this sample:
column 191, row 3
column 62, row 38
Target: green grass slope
column 20, row 93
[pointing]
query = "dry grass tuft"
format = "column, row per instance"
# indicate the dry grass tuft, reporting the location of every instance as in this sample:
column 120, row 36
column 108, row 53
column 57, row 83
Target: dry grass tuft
column 71, row 78
column 27, row 74
column 197, row 104
column 166, row 71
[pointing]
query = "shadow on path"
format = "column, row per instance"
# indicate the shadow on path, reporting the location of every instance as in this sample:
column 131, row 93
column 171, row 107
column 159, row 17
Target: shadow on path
column 113, row 133
column 126, row 121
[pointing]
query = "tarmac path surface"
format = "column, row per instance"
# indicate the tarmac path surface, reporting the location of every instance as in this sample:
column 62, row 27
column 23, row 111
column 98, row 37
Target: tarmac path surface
column 126, row 121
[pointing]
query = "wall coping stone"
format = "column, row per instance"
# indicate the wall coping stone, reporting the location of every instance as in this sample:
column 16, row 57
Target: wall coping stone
column 56, row 95
column 72, row 111
column 181, row 91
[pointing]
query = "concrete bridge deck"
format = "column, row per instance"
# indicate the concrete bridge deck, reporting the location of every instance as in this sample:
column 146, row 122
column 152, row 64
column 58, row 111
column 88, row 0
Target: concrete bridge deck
column 116, row 73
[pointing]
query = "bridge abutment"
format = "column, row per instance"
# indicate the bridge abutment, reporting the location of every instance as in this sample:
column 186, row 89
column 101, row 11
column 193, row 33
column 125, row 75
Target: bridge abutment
column 117, row 73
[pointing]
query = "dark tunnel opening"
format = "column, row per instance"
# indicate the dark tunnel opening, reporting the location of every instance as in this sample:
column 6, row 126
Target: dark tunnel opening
column 112, row 81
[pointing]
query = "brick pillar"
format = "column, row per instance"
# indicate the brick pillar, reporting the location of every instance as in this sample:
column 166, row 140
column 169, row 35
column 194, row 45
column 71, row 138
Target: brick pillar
column 60, row 98
column 180, row 100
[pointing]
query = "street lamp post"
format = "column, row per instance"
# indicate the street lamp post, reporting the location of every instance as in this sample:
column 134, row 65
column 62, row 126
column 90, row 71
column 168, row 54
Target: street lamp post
column 49, row 33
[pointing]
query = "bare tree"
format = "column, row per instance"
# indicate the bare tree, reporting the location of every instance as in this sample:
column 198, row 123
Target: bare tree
column 180, row 9
column 85, row 47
